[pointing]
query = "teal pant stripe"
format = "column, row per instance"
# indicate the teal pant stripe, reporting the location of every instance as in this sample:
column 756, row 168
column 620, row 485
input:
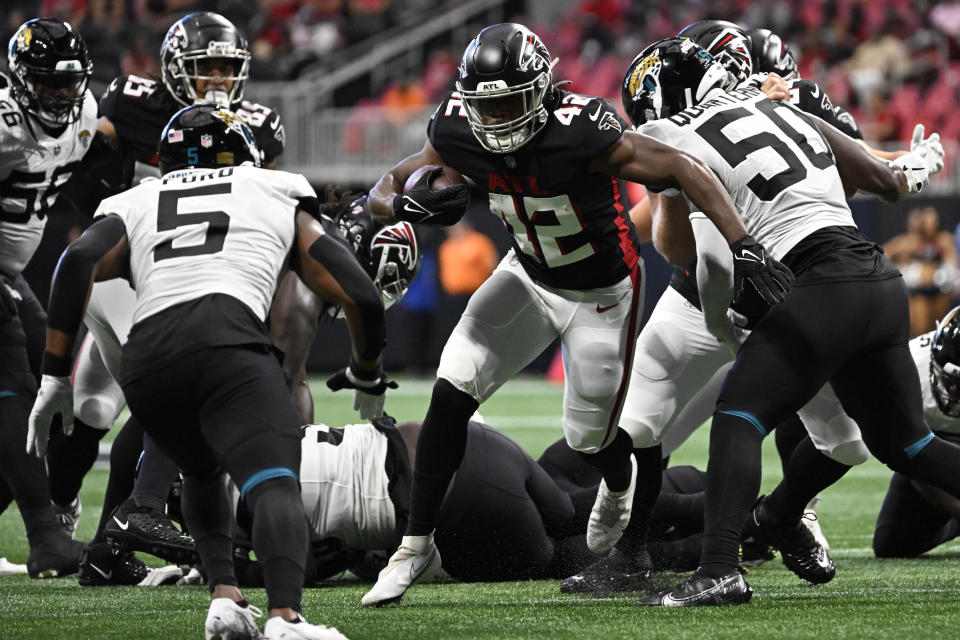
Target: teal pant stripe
column 749, row 417
column 264, row 475
column 915, row 448
column 8, row 394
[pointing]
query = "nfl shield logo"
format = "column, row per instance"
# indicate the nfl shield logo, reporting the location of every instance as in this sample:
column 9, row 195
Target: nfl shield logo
column 206, row 141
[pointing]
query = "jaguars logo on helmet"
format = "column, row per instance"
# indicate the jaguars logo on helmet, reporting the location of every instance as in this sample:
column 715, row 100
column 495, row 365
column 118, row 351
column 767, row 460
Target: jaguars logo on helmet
column 49, row 70
column 205, row 135
column 669, row 76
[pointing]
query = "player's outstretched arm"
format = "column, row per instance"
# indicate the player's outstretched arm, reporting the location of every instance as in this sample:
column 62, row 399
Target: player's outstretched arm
column 860, row 170
column 331, row 270
column 389, row 204
column 293, row 325
column 643, row 159
column 101, row 253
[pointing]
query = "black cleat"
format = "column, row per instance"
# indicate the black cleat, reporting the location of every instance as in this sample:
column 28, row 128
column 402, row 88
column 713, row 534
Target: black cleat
column 105, row 564
column 151, row 531
column 800, row 551
column 616, row 573
column 701, row 591
column 55, row 559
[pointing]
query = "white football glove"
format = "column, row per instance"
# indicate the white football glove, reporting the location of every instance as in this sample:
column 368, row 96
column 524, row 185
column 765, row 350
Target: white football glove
column 369, row 394
column 55, row 396
column 924, row 159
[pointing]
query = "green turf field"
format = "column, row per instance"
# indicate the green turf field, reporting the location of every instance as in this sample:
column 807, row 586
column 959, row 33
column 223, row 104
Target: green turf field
column 868, row 599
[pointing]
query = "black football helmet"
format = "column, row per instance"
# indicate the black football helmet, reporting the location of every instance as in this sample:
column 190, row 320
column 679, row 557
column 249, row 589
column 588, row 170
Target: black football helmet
column 670, row 76
column 189, row 46
column 390, row 254
column 49, row 70
column 205, row 135
column 726, row 42
column 945, row 364
column 505, row 81
column 770, row 54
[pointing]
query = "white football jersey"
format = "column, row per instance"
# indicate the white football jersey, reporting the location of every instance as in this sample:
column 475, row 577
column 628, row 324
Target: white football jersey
column 33, row 168
column 198, row 232
column 920, row 350
column 778, row 168
column 344, row 485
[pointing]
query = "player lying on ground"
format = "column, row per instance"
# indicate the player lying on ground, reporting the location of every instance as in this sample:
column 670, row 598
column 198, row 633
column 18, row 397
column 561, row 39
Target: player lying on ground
column 204, row 247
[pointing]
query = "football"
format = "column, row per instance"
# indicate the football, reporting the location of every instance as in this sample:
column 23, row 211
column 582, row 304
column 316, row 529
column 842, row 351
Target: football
column 448, row 178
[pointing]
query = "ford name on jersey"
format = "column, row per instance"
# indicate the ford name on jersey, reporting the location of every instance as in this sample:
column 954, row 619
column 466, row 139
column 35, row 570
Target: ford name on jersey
column 34, row 166
column 205, row 231
column 777, row 167
column 568, row 226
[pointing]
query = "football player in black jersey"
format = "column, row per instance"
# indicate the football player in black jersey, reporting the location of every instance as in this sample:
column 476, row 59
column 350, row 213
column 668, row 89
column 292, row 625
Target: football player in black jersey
column 551, row 161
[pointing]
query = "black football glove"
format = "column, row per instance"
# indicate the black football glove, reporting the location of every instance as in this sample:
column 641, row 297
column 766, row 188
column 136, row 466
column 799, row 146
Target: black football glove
column 8, row 302
column 754, row 266
column 422, row 205
column 370, row 388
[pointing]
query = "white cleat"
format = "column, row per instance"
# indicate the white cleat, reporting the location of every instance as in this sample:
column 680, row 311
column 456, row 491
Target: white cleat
column 279, row 629
column 8, row 568
column 227, row 620
column 417, row 559
column 812, row 522
column 611, row 514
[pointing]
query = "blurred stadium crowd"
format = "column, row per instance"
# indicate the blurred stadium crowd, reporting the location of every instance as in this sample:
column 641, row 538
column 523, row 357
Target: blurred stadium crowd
column 891, row 62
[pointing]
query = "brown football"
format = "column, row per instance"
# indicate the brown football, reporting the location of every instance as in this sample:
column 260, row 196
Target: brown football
column 448, row 178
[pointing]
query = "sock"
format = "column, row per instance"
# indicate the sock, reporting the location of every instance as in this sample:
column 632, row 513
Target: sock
column 6, row 496
column 676, row 555
column 157, row 473
column 440, row 447
column 123, row 469
column 69, row 459
column 613, row 461
column 677, row 512
column 808, row 472
column 936, row 463
column 649, row 482
column 280, row 539
column 733, row 482
column 206, row 508
column 787, row 436
column 25, row 475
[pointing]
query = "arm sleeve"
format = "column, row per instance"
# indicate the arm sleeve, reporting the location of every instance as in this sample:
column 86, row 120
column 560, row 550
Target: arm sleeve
column 714, row 275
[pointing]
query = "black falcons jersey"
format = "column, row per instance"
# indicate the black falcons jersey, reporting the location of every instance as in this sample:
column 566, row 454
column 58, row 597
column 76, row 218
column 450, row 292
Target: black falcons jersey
column 568, row 226
column 140, row 108
column 810, row 98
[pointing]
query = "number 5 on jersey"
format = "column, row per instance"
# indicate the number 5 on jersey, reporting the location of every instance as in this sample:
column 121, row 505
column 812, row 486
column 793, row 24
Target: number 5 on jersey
column 170, row 218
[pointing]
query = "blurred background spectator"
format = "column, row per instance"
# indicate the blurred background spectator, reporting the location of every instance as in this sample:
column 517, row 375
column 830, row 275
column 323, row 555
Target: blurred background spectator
column 927, row 257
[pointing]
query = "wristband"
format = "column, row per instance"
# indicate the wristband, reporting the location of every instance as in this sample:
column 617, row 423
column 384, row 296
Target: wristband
column 54, row 365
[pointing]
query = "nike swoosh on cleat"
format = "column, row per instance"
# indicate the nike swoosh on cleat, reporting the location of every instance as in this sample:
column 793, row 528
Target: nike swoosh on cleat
column 607, row 308
column 123, row 525
column 106, row 576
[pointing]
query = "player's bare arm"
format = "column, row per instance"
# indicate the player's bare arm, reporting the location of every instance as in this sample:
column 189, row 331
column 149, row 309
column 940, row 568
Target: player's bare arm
column 334, row 274
column 421, row 204
column 642, row 159
column 860, row 170
column 293, row 324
